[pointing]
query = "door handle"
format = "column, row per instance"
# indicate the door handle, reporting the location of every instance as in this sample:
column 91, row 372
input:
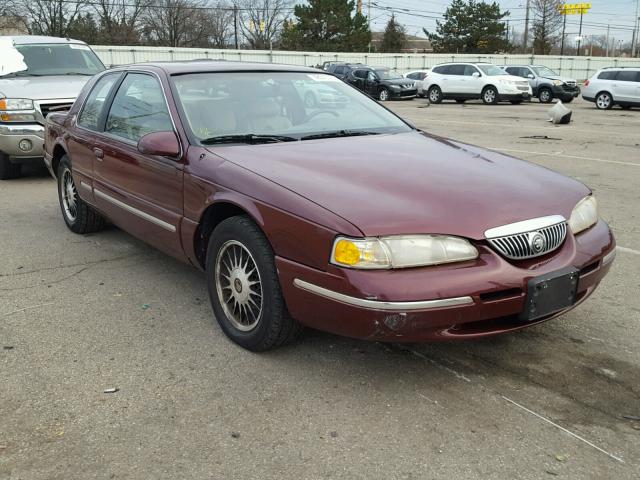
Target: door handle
column 98, row 153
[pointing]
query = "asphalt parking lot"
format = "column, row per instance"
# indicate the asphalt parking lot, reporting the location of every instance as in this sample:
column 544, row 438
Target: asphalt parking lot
column 80, row 315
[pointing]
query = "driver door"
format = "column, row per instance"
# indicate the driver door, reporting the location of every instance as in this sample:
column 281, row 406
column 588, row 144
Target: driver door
column 141, row 193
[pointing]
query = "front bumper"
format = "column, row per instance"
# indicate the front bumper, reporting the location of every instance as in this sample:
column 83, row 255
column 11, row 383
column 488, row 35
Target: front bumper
column 404, row 93
column 456, row 301
column 564, row 91
column 12, row 134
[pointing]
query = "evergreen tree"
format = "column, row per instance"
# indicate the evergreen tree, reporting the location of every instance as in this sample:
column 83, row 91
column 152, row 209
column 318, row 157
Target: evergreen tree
column 471, row 26
column 547, row 23
column 326, row 26
column 395, row 37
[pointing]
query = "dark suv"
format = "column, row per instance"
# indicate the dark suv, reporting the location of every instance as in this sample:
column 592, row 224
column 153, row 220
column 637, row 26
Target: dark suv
column 382, row 83
column 341, row 70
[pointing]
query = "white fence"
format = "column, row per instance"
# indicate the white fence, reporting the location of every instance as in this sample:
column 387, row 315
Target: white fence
column 576, row 67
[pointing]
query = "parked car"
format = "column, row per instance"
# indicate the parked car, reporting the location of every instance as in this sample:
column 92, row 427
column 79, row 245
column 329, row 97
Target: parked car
column 347, row 220
column 316, row 94
column 38, row 75
column 545, row 83
column 464, row 81
column 342, row 70
column 614, row 86
column 418, row 76
column 382, row 83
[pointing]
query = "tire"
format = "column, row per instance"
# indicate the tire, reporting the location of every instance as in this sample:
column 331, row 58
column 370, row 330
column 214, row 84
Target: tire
column 383, row 95
column 460, row 100
column 434, row 94
column 254, row 317
column 8, row 170
column 77, row 214
column 310, row 100
column 490, row 96
column 516, row 102
column 604, row 101
column 545, row 95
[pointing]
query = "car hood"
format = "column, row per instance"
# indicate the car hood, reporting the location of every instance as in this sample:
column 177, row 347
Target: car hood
column 412, row 182
column 507, row 77
column 398, row 81
column 49, row 87
column 558, row 77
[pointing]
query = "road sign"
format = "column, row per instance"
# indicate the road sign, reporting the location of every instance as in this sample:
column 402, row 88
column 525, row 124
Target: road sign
column 574, row 8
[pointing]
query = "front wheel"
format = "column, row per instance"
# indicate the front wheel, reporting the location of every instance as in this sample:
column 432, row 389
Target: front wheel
column 604, row 101
column 244, row 288
column 383, row 96
column 77, row 214
column 8, row 170
column 435, row 94
column 545, row 95
column 490, row 96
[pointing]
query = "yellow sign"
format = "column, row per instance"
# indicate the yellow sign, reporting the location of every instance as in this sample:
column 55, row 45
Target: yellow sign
column 574, row 8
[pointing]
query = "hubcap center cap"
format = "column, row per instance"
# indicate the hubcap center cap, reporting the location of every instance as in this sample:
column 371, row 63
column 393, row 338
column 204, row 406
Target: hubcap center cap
column 237, row 285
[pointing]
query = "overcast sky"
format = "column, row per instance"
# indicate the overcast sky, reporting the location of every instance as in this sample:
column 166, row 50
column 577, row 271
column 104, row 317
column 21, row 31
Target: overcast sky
column 617, row 13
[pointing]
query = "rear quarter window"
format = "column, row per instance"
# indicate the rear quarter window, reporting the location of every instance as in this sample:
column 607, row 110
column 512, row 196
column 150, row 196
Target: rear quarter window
column 442, row 70
column 608, row 75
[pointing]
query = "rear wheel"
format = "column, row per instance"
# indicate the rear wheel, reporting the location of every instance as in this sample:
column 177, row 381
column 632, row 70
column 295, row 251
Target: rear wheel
column 545, row 95
column 435, row 94
column 8, row 170
column 77, row 214
column 604, row 101
column 490, row 96
column 244, row 288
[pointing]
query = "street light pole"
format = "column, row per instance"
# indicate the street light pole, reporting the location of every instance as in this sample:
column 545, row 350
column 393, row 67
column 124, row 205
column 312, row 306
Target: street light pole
column 579, row 34
column 526, row 28
column 636, row 33
column 564, row 27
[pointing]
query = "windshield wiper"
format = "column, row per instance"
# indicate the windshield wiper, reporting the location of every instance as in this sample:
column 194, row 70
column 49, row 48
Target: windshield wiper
column 79, row 73
column 248, row 138
column 339, row 133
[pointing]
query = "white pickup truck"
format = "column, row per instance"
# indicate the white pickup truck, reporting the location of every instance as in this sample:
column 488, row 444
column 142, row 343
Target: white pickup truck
column 38, row 75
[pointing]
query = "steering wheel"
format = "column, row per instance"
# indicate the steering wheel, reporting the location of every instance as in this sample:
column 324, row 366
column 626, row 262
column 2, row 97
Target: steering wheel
column 319, row 112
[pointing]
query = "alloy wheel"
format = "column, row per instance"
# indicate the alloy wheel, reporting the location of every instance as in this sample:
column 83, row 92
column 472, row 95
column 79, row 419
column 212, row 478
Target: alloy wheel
column 603, row 101
column 384, row 95
column 489, row 95
column 545, row 96
column 434, row 96
column 239, row 285
column 69, row 196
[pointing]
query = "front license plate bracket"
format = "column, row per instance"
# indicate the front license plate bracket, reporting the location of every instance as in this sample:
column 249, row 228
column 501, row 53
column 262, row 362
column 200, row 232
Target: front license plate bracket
column 551, row 293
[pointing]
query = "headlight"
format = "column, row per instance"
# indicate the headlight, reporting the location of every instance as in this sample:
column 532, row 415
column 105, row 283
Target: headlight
column 557, row 83
column 584, row 215
column 400, row 251
column 16, row 110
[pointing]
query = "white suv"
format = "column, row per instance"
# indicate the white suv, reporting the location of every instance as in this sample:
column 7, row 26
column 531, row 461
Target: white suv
column 614, row 86
column 465, row 81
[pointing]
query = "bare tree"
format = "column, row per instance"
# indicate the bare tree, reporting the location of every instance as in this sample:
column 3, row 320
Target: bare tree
column 44, row 17
column 119, row 20
column 262, row 21
column 187, row 23
column 547, row 22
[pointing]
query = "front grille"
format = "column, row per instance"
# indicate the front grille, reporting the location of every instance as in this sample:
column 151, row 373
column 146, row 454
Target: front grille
column 523, row 88
column 520, row 246
column 523, row 84
column 46, row 108
column 571, row 83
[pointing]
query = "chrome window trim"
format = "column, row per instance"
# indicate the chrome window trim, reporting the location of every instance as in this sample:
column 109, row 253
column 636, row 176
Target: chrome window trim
column 524, row 226
column 135, row 211
column 382, row 305
column 86, row 186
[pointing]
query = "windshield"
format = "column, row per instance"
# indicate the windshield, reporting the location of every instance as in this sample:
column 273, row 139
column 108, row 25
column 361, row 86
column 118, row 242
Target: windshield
column 288, row 105
column 491, row 70
column 59, row 59
column 385, row 74
column 544, row 72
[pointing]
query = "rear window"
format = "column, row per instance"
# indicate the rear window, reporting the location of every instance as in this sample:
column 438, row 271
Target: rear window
column 608, row 75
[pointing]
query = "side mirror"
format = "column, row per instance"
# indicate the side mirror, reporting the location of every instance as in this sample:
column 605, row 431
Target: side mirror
column 531, row 76
column 164, row 144
column 475, row 74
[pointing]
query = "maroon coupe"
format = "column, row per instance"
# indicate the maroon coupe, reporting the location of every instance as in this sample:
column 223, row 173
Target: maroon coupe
column 335, row 214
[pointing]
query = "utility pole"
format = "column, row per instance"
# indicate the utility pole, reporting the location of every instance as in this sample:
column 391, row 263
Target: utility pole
column 607, row 54
column 636, row 33
column 526, row 28
column 579, row 34
column 369, row 20
column 235, row 24
column 564, row 27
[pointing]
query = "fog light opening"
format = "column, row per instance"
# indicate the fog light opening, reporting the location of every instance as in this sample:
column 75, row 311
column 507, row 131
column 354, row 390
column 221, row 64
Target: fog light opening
column 25, row 145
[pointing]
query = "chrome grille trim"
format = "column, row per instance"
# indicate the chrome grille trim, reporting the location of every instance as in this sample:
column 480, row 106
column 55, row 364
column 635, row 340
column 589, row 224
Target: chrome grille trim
column 513, row 241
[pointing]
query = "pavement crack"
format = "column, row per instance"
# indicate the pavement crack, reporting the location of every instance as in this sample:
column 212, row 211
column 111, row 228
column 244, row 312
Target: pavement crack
column 45, row 269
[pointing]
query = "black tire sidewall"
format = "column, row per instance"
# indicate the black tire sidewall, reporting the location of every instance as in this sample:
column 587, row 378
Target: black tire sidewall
column 65, row 164
column 435, row 89
column 243, row 230
column 549, row 93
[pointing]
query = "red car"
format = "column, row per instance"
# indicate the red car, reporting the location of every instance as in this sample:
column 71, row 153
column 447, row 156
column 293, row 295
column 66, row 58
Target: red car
column 344, row 218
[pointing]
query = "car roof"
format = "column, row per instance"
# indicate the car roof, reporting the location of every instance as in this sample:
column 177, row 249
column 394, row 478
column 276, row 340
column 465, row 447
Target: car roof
column 39, row 39
column 204, row 66
column 620, row 68
column 464, row 63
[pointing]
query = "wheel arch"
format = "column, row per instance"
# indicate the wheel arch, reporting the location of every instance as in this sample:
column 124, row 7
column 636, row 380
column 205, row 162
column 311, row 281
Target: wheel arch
column 59, row 151
column 217, row 211
column 490, row 86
